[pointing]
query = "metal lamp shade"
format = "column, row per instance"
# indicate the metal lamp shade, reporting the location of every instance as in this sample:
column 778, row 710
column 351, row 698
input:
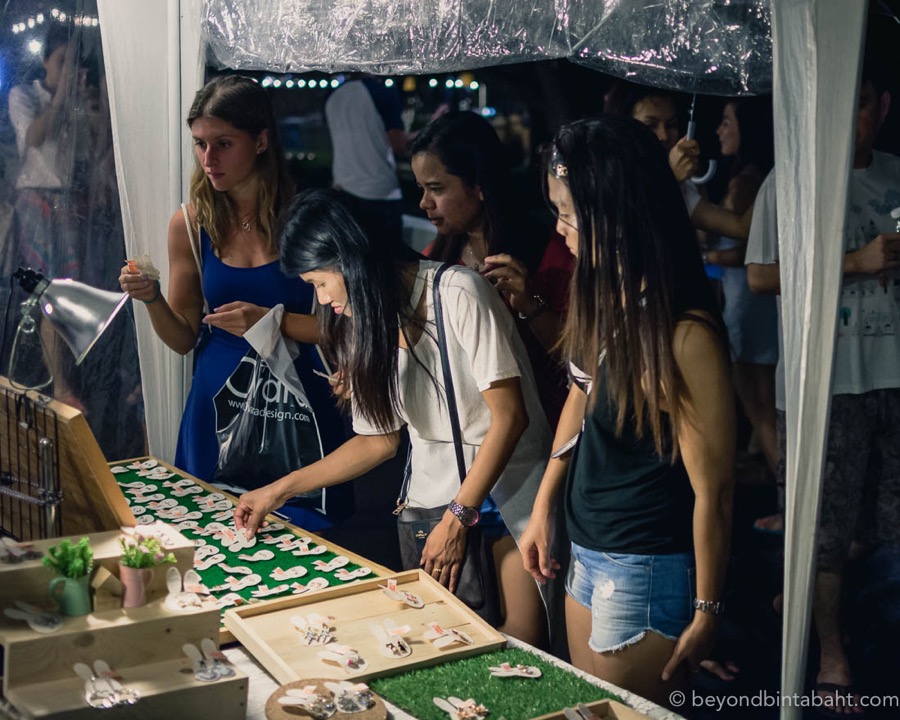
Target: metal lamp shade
column 79, row 313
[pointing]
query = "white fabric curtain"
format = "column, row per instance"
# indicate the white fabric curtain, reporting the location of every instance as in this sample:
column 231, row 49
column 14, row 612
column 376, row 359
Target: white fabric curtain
column 151, row 53
column 817, row 50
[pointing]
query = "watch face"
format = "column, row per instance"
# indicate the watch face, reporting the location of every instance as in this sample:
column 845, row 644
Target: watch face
column 468, row 516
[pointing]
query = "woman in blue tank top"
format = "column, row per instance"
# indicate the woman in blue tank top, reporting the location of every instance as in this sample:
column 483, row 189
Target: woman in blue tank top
column 648, row 490
column 238, row 188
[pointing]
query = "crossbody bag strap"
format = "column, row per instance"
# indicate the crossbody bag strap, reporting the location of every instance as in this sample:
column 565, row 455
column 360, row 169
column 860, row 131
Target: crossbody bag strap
column 195, row 251
column 448, row 388
column 448, row 378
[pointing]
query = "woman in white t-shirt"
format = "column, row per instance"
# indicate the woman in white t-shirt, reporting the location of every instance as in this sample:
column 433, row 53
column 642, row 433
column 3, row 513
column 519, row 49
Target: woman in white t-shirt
column 377, row 320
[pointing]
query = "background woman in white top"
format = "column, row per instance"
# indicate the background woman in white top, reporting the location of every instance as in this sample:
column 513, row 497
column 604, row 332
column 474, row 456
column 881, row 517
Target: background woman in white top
column 377, row 319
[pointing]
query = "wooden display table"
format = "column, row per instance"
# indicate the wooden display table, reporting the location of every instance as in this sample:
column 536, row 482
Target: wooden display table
column 143, row 644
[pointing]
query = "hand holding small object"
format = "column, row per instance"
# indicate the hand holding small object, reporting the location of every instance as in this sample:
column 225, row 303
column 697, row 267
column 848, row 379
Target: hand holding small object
column 140, row 279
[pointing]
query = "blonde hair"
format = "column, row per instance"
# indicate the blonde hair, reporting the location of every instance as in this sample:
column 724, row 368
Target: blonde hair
column 242, row 103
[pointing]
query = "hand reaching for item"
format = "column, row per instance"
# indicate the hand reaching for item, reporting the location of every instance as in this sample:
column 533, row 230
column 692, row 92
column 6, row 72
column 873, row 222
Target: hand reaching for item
column 235, row 317
column 253, row 507
column 535, row 547
column 510, row 277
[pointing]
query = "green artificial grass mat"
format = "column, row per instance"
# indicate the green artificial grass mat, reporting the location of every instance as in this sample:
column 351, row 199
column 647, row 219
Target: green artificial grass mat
column 215, row 575
column 510, row 698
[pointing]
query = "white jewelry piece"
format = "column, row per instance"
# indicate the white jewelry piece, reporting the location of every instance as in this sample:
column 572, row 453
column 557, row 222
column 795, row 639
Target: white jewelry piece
column 318, row 706
column 258, row 556
column 461, row 709
column 235, row 585
column 351, row 698
column 507, row 670
column 207, row 563
column 185, row 491
column 318, row 583
column 404, row 596
column 314, row 629
column 202, row 670
column 263, row 591
column 332, row 565
column 239, row 570
column 442, row 638
column 290, row 574
column 216, row 659
column 390, row 638
column 345, row 575
column 37, row 619
column 345, row 657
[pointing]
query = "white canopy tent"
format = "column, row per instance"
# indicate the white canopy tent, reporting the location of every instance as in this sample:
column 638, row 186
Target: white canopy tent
column 153, row 54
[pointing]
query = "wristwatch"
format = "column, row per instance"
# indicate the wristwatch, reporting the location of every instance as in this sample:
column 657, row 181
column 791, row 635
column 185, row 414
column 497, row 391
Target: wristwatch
column 540, row 306
column 713, row 607
column 468, row 516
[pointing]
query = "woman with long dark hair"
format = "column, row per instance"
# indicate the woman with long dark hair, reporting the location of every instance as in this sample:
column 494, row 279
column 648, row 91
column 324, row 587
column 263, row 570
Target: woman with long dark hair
column 238, row 188
column 648, row 491
column 377, row 319
column 745, row 136
column 469, row 194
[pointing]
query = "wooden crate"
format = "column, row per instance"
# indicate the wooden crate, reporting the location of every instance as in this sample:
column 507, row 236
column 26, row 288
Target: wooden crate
column 602, row 709
column 91, row 501
column 265, row 629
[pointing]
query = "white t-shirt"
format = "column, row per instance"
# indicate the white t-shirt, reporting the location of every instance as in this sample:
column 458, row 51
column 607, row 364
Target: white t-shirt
column 483, row 347
column 762, row 249
column 363, row 163
column 867, row 349
column 691, row 195
column 41, row 166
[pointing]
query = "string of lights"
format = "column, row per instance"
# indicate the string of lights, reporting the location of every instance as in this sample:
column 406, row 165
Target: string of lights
column 55, row 14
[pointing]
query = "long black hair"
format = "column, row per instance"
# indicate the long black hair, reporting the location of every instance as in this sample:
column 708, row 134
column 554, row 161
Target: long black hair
column 638, row 270
column 319, row 233
column 468, row 147
column 754, row 118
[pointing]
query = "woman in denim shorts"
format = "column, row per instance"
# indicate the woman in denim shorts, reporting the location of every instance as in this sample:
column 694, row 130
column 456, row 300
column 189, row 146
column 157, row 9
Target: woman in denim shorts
column 648, row 490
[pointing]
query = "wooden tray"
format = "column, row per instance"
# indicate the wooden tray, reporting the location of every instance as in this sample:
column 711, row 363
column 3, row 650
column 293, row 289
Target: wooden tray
column 602, row 709
column 215, row 575
column 266, row 631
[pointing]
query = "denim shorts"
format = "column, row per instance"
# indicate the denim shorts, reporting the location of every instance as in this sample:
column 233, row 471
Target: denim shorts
column 629, row 595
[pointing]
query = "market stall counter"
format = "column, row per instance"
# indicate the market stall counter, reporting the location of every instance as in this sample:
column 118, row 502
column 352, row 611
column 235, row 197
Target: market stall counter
column 307, row 612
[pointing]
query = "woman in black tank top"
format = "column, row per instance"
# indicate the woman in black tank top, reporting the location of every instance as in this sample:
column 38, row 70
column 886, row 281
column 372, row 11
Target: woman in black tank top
column 648, row 491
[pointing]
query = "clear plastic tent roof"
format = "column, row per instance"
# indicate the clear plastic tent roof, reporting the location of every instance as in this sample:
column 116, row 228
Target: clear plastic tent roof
column 710, row 46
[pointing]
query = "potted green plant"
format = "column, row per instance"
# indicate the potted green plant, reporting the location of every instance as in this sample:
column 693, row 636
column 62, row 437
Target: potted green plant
column 73, row 563
column 140, row 554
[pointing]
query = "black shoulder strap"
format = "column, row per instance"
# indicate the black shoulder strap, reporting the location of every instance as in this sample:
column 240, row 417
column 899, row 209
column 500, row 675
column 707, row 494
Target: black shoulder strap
column 448, row 378
column 448, row 389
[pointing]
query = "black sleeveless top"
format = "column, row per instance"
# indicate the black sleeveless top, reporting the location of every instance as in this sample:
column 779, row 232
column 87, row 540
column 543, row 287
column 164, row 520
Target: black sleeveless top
column 621, row 495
